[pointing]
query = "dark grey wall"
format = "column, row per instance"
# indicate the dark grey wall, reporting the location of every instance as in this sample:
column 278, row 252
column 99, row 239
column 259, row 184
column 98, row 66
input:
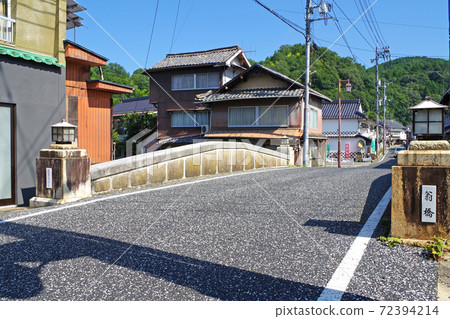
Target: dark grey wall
column 38, row 92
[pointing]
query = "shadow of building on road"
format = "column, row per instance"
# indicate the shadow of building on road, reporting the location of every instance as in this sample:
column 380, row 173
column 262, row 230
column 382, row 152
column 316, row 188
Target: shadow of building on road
column 23, row 260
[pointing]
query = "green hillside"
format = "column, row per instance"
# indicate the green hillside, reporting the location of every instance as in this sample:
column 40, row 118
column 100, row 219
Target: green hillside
column 412, row 78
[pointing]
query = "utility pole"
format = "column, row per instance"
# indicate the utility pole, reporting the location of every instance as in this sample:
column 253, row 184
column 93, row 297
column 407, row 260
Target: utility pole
column 384, row 53
column 306, row 111
column 323, row 10
column 384, row 118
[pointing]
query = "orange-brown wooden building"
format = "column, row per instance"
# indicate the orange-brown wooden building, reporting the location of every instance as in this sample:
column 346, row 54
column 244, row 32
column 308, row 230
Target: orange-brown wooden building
column 89, row 102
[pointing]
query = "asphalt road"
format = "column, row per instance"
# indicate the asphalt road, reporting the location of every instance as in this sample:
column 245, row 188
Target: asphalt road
column 265, row 235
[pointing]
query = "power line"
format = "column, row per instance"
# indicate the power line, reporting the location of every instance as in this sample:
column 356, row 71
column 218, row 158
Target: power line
column 379, row 22
column 373, row 25
column 175, row 27
column 279, row 16
column 354, row 26
column 366, row 25
column 151, row 36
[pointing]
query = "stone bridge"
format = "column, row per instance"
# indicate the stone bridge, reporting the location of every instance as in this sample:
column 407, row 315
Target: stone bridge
column 198, row 159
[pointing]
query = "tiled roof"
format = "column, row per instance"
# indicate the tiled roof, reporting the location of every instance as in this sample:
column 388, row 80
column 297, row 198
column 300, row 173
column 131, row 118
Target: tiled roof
column 182, row 140
column 393, row 124
column 210, row 57
column 253, row 93
column 138, row 105
column 330, row 110
column 247, row 132
column 226, row 91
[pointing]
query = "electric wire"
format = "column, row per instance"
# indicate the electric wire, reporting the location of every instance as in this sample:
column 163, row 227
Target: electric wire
column 371, row 24
column 365, row 24
column 185, row 19
column 377, row 27
column 287, row 21
column 365, row 39
column 175, row 27
column 151, row 35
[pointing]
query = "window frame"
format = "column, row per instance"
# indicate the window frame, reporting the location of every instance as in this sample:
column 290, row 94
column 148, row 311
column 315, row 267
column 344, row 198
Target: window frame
column 257, row 116
column 428, row 122
column 194, row 113
column 316, row 111
column 195, row 82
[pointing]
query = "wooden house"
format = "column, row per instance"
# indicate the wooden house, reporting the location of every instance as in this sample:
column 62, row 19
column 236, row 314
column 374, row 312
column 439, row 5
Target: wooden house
column 89, row 102
column 177, row 79
column 261, row 106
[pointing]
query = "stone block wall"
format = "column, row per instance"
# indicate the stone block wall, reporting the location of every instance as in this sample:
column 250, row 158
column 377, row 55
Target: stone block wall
column 189, row 161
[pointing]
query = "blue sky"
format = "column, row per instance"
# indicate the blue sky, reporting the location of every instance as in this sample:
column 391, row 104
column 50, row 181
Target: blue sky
column 409, row 27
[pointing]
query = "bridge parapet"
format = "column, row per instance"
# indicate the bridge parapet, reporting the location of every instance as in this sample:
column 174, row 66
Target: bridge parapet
column 198, row 159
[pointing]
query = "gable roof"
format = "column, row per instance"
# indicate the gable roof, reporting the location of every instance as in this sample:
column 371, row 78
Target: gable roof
column 221, row 56
column 350, row 109
column 138, row 105
column 226, row 91
column 393, row 124
column 428, row 104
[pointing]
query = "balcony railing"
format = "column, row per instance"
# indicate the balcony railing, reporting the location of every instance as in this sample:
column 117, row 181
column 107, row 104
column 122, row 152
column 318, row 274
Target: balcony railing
column 7, row 29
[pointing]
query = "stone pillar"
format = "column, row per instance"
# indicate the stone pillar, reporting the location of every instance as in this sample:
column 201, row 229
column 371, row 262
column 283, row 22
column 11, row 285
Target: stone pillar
column 425, row 163
column 62, row 176
column 289, row 151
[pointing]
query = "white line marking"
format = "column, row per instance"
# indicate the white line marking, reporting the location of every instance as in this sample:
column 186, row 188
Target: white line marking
column 344, row 273
column 105, row 198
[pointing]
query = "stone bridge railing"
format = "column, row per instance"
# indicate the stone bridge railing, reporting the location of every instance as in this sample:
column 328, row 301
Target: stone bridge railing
column 198, row 159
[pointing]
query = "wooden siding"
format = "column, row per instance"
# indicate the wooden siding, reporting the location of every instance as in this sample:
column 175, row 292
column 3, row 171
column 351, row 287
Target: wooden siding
column 185, row 98
column 94, row 112
column 80, row 56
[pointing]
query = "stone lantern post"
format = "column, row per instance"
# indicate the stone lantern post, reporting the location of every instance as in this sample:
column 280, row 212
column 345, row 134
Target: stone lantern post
column 62, row 170
column 421, row 179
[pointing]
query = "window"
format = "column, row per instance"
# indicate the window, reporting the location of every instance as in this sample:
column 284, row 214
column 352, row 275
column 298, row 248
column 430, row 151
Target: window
column 258, row 116
column 4, row 8
column 189, row 119
column 196, row 81
column 313, row 119
column 428, row 121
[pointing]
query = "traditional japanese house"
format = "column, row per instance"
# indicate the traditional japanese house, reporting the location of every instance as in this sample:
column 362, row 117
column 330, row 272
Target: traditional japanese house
column 262, row 106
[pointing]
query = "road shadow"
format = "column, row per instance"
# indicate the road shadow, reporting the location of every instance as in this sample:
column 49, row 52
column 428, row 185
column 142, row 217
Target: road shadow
column 377, row 190
column 23, row 260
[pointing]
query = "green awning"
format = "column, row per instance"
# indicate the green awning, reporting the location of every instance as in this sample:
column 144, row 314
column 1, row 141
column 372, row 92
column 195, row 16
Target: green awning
column 39, row 58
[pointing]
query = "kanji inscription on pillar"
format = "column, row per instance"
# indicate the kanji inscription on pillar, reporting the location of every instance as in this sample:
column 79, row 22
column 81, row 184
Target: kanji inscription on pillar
column 429, row 204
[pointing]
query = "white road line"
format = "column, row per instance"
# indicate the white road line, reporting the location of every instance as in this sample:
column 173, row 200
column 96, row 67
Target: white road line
column 338, row 284
column 105, row 198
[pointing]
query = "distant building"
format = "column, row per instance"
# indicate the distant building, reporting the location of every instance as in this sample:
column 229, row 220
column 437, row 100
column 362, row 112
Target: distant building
column 396, row 131
column 134, row 105
column 357, row 130
column 144, row 139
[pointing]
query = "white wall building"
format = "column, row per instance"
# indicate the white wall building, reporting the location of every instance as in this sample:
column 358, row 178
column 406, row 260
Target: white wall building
column 357, row 130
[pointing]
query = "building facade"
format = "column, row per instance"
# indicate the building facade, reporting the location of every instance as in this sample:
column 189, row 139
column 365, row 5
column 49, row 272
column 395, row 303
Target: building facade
column 262, row 106
column 89, row 102
column 358, row 132
column 176, row 80
column 32, row 90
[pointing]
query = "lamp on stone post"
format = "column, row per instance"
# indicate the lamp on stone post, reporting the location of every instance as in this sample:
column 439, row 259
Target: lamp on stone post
column 63, row 133
column 348, row 89
column 428, row 120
